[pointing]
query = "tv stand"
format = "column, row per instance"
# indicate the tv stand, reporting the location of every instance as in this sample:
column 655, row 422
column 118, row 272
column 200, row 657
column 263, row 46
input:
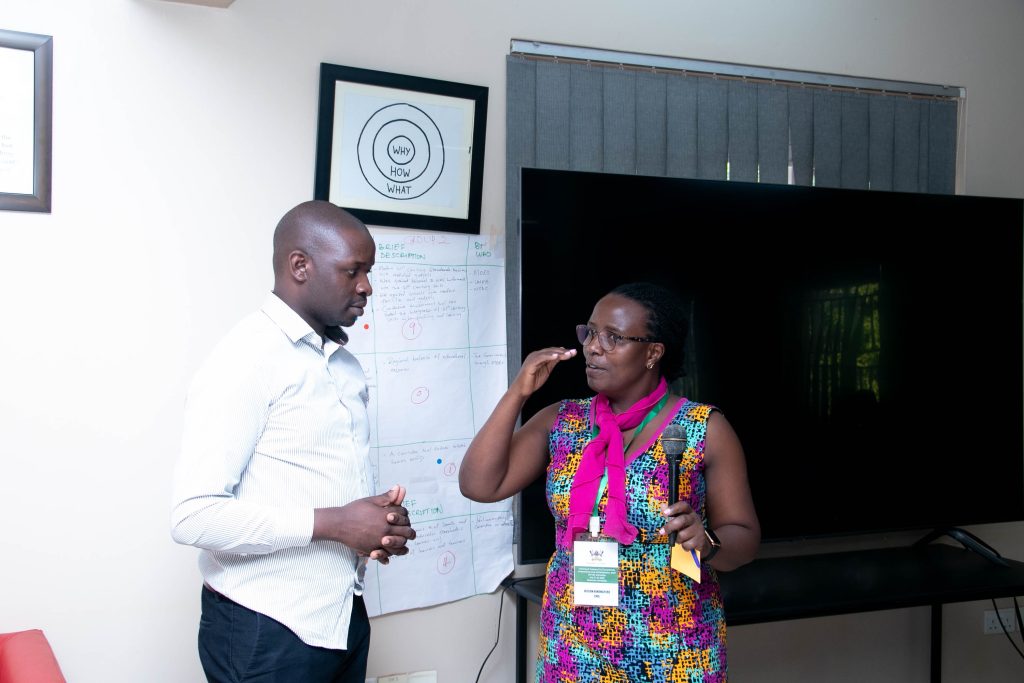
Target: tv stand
column 967, row 540
column 783, row 588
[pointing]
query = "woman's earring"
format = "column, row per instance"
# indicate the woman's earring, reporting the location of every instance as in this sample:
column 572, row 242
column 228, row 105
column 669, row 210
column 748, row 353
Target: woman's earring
column 650, row 365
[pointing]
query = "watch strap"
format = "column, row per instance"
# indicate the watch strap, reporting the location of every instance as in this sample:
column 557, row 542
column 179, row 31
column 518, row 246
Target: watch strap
column 715, row 544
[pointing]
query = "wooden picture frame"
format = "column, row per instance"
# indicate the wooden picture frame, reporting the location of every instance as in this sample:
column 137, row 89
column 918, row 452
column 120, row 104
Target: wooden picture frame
column 26, row 121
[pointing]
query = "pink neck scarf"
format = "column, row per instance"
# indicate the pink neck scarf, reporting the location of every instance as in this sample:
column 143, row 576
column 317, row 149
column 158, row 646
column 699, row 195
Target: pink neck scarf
column 606, row 451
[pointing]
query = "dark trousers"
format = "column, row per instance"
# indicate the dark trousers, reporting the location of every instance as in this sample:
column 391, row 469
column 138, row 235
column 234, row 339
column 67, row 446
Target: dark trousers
column 238, row 645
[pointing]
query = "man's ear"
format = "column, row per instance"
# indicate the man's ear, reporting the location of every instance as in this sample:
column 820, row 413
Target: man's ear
column 298, row 261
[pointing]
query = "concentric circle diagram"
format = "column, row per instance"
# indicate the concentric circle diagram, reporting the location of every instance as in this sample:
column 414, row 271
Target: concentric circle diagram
column 400, row 151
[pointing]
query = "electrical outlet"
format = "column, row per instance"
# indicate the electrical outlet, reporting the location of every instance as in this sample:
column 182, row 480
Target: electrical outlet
column 991, row 625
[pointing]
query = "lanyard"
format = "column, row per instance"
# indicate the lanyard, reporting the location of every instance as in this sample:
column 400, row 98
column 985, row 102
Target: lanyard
column 594, row 518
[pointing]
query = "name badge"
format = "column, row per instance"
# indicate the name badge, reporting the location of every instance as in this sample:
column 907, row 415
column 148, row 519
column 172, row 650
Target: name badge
column 595, row 563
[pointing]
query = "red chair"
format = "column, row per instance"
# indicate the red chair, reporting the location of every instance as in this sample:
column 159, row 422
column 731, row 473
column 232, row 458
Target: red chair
column 26, row 657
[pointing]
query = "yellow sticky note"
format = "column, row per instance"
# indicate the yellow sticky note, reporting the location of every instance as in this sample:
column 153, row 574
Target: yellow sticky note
column 686, row 561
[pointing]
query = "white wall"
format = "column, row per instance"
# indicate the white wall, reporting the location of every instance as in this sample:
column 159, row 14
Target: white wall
column 182, row 133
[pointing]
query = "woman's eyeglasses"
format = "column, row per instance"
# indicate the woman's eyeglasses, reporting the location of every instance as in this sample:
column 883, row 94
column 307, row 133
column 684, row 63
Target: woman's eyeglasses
column 607, row 340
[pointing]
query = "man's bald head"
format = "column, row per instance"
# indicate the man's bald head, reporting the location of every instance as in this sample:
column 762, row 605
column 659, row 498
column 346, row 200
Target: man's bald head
column 322, row 261
column 309, row 227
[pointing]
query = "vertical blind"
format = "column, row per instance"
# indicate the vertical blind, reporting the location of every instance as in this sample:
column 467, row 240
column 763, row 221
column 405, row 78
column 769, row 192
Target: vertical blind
column 608, row 118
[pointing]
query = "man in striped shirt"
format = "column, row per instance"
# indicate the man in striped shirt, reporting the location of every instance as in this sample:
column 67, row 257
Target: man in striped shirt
column 274, row 483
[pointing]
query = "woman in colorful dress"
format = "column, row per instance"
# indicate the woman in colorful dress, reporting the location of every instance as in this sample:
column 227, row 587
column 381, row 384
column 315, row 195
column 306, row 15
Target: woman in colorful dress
column 621, row 603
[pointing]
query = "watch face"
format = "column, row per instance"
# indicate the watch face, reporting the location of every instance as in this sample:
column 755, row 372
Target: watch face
column 714, row 539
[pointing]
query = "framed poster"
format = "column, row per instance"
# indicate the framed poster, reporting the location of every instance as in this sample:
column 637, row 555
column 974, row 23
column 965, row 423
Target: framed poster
column 400, row 150
column 26, row 120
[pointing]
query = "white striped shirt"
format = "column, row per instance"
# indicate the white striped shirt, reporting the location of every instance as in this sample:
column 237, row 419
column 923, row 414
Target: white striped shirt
column 275, row 426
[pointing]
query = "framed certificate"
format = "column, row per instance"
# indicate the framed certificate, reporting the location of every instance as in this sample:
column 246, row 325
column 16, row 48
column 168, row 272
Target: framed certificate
column 400, row 150
column 26, row 120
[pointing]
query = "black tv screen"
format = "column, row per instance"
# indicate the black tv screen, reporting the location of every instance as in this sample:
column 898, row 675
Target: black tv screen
column 865, row 345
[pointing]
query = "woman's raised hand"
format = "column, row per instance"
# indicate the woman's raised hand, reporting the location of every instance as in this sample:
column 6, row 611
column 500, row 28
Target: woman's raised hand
column 537, row 368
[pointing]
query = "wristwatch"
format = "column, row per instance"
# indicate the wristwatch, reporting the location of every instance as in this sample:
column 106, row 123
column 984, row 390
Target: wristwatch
column 715, row 544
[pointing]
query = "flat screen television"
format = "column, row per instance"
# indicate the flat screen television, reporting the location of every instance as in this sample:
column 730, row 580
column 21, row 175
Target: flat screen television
column 865, row 345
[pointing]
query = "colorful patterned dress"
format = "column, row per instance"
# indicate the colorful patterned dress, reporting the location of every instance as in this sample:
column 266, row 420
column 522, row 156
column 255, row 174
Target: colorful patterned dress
column 667, row 628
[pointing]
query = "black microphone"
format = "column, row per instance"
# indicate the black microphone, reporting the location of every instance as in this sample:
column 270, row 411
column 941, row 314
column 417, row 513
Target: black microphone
column 673, row 440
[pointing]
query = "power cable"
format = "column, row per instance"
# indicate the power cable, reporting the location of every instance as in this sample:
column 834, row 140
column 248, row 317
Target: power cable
column 497, row 635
